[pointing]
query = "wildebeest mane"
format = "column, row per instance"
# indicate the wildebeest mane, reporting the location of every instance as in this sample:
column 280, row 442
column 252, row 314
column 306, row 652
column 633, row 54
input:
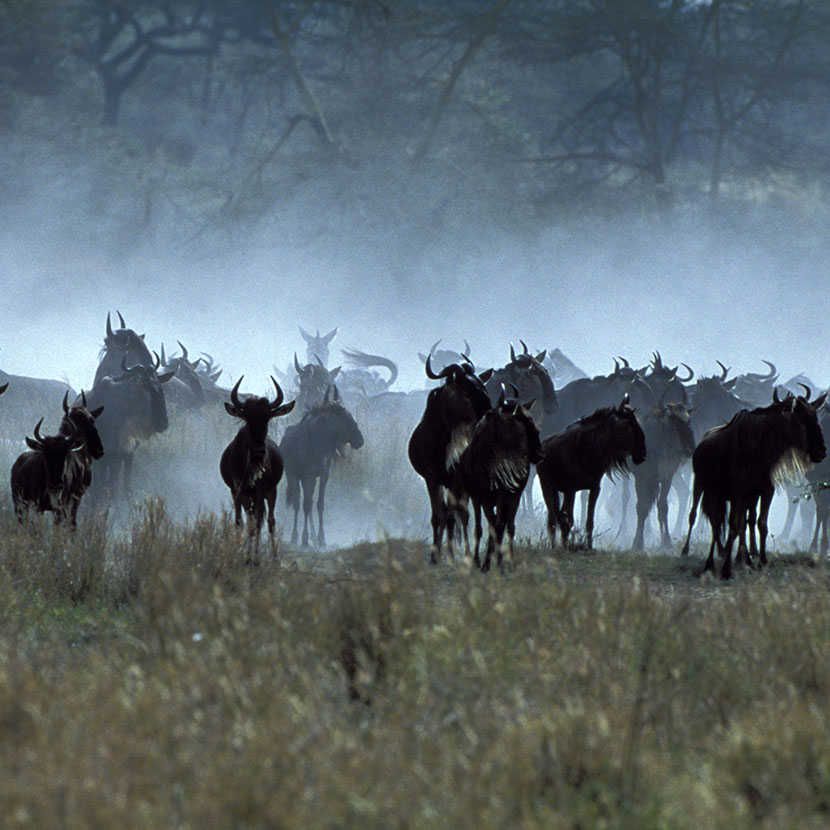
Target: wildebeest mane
column 592, row 441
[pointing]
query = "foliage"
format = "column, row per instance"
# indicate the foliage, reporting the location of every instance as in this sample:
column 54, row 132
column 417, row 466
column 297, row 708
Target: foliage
column 364, row 687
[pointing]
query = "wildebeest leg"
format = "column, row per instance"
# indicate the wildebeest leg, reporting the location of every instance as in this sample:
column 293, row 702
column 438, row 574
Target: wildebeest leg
column 814, row 540
column 551, row 498
column 438, row 519
column 663, row 512
column 714, row 509
column 737, row 526
column 763, row 524
column 271, row 499
column 501, row 526
column 593, row 495
column 683, row 491
column 308, row 502
column 477, row 511
column 698, row 492
column 490, row 516
column 646, row 493
column 566, row 516
column 512, row 508
column 321, row 501
column 625, row 500
column 792, row 508
column 822, row 516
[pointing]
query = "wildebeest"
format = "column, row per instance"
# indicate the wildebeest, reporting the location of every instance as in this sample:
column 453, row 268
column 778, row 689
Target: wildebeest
column 37, row 476
column 739, row 463
column 308, row 449
column 439, row 359
column 669, row 443
column 529, row 377
column 186, row 389
column 313, row 383
column 578, row 457
column 818, row 479
column 494, row 469
column 441, row 436
column 251, row 465
column 317, row 346
column 122, row 347
column 134, row 411
column 77, row 477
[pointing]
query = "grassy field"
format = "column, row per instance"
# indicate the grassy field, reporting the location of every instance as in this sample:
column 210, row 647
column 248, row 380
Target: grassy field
column 151, row 679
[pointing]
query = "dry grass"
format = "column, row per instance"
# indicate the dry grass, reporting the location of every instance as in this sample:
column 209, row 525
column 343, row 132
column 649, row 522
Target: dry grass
column 151, row 679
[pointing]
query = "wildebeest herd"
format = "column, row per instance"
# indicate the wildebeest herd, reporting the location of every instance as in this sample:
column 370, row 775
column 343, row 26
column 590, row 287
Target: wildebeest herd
column 482, row 438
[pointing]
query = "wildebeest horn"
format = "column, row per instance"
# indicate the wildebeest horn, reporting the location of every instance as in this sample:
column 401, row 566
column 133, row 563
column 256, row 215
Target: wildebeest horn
column 235, row 393
column 38, row 436
column 163, row 355
column 109, row 326
column 120, row 319
column 807, row 392
column 326, row 396
column 772, row 369
column 466, row 347
column 184, row 350
column 157, row 362
column 689, row 370
column 280, row 394
column 524, row 347
column 616, row 366
column 724, row 370
column 775, row 398
column 66, row 401
column 83, row 398
column 297, row 366
column 625, row 401
column 624, row 362
column 656, row 360
column 428, row 368
column 434, row 346
column 512, row 354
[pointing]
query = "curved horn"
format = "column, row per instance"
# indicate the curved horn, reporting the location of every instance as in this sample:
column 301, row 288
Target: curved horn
column 38, row 436
column 502, row 395
column 66, row 401
column 109, row 325
column 772, row 370
column 434, row 346
column 428, row 367
column 466, row 347
column 512, row 354
column 616, row 366
column 724, row 371
column 163, row 356
column 280, row 394
column 157, row 362
column 184, row 350
column 326, row 396
column 524, row 346
column 297, row 366
column 775, row 398
column 624, row 362
column 235, row 393
column 689, row 370
column 807, row 392
column 120, row 319
column 83, row 398
column 656, row 360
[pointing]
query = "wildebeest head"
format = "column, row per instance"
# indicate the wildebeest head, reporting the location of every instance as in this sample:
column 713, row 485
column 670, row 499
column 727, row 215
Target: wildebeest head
column 54, row 449
column 441, row 358
column 313, row 381
column 628, row 434
column 317, row 346
column 342, row 427
column 81, row 421
column 464, row 380
column 257, row 411
column 803, row 423
column 675, row 416
column 142, row 387
column 189, row 383
column 121, row 345
column 664, row 380
column 529, row 377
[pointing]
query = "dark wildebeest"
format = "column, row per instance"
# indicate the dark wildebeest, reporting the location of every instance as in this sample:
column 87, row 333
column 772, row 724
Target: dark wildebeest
column 818, row 479
column 669, row 443
column 578, row 457
column 313, row 383
column 134, row 411
column 251, row 464
column 526, row 373
column 122, row 347
column 308, row 449
column 664, row 381
column 740, row 463
column 754, row 387
column 37, row 476
column 441, row 436
column 494, row 469
column 185, row 390
column 77, row 477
